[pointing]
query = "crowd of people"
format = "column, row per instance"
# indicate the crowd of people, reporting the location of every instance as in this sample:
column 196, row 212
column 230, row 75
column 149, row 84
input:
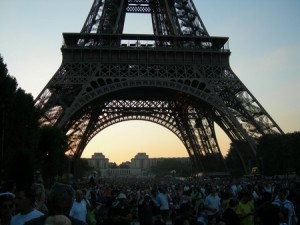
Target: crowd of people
column 152, row 202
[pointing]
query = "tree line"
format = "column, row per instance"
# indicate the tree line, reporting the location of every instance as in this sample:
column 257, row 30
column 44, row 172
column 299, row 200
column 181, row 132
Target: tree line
column 276, row 154
column 26, row 148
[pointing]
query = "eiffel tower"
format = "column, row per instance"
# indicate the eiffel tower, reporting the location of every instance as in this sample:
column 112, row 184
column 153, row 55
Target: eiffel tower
column 178, row 77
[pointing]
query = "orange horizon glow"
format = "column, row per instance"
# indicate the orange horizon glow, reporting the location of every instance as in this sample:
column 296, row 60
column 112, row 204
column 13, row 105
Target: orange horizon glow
column 123, row 141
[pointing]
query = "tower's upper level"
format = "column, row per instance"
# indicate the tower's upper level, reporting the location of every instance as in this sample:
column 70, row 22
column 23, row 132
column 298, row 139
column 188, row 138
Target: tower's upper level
column 169, row 17
column 175, row 24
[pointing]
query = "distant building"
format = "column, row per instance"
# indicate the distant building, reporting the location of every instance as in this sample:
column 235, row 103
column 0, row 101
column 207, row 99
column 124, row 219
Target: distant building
column 141, row 161
column 98, row 160
column 138, row 167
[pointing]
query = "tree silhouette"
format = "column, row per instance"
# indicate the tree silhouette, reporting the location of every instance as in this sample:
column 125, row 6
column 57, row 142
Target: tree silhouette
column 19, row 129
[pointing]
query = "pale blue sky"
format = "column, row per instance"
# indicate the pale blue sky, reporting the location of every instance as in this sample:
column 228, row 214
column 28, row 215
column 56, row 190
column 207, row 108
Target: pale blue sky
column 264, row 40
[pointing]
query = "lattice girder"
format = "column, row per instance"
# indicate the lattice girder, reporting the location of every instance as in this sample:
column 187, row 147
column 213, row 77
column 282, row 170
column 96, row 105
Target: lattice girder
column 117, row 111
column 178, row 78
column 209, row 80
column 160, row 112
column 168, row 18
column 121, row 118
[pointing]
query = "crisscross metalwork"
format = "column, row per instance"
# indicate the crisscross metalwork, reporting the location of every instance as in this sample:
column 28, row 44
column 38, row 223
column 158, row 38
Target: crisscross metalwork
column 179, row 78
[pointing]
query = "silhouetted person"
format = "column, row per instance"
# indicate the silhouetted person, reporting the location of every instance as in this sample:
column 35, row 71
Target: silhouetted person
column 245, row 209
column 58, row 220
column 229, row 216
column 146, row 210
column 267, row 213
column 120, row 211
column 7, row 208
column 60, row 201
column 24, row 206
column 79, row 207
column 286, row 207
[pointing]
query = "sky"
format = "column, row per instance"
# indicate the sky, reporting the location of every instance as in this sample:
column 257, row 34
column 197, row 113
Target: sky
column 264, row 39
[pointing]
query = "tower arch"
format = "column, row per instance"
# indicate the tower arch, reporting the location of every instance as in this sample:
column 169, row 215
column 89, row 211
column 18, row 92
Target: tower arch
column 179, row 77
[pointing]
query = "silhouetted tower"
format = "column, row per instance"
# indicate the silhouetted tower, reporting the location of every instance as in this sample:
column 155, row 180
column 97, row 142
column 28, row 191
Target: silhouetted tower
column 179, row 78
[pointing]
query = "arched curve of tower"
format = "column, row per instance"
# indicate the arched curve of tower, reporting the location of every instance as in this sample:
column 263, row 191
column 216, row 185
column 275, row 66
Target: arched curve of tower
column 165, row 113
column 179, row 78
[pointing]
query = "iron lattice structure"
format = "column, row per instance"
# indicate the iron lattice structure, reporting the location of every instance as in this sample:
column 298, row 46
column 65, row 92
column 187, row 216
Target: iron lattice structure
column 179, row 78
